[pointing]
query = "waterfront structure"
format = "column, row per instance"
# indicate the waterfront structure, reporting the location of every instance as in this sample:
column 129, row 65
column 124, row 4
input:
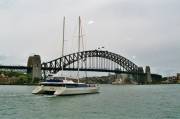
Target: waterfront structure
column 124, row 79
column 91, row 60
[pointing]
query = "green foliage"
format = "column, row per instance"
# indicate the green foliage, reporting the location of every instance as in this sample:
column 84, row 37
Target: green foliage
column 11, row 73
column 21, row 78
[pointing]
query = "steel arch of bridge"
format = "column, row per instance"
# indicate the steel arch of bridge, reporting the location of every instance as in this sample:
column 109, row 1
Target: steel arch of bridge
column 56, row 64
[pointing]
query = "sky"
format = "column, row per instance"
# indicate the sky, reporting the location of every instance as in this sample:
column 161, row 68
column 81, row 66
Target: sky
column 144, row 31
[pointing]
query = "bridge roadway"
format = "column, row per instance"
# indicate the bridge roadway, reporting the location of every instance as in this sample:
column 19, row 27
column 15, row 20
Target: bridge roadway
column 25, row 68
column 66, row 69
column 15, row 67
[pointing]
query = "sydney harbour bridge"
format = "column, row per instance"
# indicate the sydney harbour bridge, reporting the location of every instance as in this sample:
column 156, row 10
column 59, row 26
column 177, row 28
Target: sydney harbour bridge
column 91, row 60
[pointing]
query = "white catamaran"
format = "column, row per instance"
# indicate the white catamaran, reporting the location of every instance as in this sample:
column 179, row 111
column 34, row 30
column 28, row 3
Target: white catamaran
column 56, row 85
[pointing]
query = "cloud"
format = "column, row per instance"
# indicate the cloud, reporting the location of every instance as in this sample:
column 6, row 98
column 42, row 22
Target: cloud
column 148, row 30
column 91, row 22
column 2, row 57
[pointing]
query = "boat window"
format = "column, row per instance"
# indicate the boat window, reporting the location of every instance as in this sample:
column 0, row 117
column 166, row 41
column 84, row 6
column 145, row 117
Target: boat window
column 53, row 80
column 82, row 85
column 61, row 85
column 75, row 85
column 71, row 85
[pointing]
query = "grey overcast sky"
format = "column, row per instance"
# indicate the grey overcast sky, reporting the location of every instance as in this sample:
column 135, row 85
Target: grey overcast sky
column 144, row 31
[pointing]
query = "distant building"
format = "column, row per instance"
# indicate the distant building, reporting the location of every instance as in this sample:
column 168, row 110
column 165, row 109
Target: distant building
column 173, row 79
column 178, row 76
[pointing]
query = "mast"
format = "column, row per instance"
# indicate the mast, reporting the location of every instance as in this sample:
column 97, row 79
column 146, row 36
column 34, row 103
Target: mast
column 62, row 52
column 79, row 42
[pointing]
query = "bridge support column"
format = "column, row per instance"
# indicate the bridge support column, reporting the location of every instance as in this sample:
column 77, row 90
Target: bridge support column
column 35, row 63
column 138, row 77
column 148, row 75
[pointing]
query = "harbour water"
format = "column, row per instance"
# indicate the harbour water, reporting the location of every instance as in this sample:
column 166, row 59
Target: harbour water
column 113, row 102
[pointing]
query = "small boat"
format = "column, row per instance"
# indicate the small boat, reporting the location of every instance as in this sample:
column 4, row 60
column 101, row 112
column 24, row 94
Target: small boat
column 60, row 86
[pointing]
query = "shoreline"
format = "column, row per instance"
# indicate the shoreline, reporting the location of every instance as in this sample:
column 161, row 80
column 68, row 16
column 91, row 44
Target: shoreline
column 94, row 83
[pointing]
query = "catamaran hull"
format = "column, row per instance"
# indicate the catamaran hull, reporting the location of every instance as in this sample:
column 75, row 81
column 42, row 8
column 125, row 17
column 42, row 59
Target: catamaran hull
column 58, row 91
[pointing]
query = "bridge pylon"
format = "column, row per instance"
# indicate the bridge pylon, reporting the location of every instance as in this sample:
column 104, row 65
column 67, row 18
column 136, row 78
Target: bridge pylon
column 148, row 75
column 35, row 63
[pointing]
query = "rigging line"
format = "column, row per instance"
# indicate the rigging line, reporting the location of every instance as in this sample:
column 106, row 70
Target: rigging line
column 73, row 46
column 63, row 46
column 79, row 38
column 84, row 60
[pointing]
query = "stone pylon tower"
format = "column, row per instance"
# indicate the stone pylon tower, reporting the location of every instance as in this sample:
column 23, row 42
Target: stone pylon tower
column 35, row 63
column 148, row 74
